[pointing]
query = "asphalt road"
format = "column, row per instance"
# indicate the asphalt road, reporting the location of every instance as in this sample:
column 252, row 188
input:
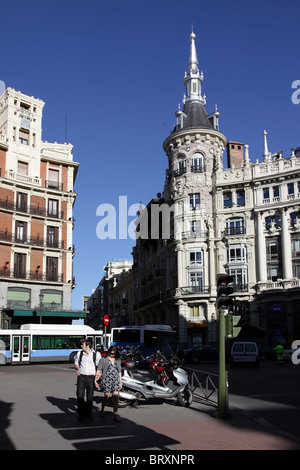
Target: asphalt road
column 38, row 411
column 271, row 392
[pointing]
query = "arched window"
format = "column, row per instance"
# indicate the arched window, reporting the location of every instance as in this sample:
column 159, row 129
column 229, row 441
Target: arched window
column 181, row 165
column 198, row 162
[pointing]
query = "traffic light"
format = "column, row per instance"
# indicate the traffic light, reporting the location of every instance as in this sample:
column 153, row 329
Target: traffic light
column 224, row 289
column 231, row 328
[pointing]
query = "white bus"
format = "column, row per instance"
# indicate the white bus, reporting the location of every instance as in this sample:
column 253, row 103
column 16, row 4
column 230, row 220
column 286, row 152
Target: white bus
column 45, row 343
column 149, row 338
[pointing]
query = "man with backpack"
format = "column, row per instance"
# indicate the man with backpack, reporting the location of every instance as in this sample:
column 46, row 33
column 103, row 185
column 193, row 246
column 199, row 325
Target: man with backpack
column 86, row 363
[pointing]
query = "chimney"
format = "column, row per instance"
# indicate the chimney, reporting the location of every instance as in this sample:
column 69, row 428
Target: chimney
column 235, row 154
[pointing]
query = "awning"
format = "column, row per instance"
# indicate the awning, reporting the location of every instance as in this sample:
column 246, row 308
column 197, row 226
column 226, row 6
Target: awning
column 69, row 314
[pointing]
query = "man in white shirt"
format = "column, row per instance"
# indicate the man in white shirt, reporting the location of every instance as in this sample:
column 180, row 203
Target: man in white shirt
column 86, row 363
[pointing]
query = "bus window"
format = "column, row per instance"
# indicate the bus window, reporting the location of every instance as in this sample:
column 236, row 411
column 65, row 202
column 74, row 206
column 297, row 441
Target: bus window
column 4, row 343
column 126, row 336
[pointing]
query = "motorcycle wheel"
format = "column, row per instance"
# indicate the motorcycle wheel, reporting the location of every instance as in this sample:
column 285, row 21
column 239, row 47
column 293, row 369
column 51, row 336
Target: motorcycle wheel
column 123, row 402
column 185, row 397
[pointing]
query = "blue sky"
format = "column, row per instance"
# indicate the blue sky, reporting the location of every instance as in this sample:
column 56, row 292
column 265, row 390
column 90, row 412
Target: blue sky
column 116, row 68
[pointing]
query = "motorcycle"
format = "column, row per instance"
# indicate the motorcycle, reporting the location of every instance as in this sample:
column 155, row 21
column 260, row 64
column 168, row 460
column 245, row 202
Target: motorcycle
column 164, row 379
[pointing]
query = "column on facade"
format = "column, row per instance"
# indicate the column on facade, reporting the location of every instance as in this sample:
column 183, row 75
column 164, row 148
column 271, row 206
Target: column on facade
column 286, row 248
column 180, row 265
column 182, row 323
column 261, row 249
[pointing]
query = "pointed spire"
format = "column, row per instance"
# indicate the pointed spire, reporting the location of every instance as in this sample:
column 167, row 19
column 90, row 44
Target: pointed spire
column 266, row 152
column 193, row 79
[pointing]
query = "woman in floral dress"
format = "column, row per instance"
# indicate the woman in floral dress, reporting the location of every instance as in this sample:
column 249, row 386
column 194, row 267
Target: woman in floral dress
column 109, row 369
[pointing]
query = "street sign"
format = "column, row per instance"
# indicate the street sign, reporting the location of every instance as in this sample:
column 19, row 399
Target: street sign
column 106, row 320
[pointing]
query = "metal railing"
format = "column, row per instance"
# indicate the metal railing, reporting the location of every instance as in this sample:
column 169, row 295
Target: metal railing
column 204, row 387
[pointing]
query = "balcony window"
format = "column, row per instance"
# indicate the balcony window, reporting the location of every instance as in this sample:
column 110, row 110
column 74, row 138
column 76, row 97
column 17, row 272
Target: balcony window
column 53, row 207
column 53, row 179
column 21, row 202
column 52, row 236
column 51, row 268
column 196, row 281
column 198, row 163
column 23, row 168
column 20, row 265
column 235, row 226
column 21, row 231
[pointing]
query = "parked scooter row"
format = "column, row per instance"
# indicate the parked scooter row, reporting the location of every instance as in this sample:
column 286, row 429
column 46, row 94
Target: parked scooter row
column 153, row 377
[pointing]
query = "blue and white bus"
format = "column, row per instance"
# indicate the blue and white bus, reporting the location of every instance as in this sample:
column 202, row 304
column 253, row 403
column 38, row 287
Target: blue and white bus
column 148, row 338
column 45, row 343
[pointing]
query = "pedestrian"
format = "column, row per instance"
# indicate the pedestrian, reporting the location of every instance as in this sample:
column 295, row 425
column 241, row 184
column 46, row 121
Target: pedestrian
column 86, row 363
column 279, row 353
column 109, row 370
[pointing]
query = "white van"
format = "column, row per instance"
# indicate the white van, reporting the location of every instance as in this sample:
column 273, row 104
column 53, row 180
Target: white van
column 244, row 352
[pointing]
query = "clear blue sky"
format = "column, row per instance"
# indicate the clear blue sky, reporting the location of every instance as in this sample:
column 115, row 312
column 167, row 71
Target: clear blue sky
column 116, row 68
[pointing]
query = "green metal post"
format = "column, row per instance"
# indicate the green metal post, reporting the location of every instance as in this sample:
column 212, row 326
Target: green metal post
column 222, row 411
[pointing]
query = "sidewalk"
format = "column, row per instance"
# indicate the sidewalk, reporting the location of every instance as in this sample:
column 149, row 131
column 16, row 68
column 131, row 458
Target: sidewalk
column 38, row 412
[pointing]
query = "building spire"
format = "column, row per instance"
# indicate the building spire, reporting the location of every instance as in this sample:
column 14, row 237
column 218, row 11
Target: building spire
column 193, row 79
column 266, row 152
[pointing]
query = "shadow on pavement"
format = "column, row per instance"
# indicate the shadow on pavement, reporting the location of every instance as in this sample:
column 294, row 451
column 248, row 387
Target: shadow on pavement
column 103, row 434
column 5, row 411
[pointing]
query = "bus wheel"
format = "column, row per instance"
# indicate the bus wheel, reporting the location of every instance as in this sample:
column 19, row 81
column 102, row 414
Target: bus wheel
column 72, row 357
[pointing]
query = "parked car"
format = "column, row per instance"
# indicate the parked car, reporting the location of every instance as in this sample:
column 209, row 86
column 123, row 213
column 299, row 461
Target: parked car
column 288, row 354
column 267, row 352
column 244, row 352
column 200, row 353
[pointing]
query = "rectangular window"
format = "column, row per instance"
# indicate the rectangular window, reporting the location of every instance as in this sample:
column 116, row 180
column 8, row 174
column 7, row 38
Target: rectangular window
column 22, row 168
column 197, row 312
column 240, row 198
column 21, row 231
column 23, row 137
column 51, row 268
column 20, row 265
column 290, row 188
column 196, row 258
column 266, row 193
column 275, row 191
column 237, row 254
column 195, row 201
column 53, row 207
column 227, row 199
column 53, row 179
column 196, row 282
column 52, row 236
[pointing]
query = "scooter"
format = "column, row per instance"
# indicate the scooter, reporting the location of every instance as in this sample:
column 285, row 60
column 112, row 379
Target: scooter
column 165, row 379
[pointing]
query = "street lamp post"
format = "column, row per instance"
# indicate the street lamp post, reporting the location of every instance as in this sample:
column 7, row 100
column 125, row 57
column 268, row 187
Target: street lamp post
column 41, row 300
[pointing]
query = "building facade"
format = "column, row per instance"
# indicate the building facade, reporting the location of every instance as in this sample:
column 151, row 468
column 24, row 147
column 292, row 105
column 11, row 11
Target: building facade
column 36, row 216
column 235, row 217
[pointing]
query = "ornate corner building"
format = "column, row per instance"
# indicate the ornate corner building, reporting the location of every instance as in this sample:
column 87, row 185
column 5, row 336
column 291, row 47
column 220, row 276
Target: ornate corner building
column 241, row 218
column 36, row 216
